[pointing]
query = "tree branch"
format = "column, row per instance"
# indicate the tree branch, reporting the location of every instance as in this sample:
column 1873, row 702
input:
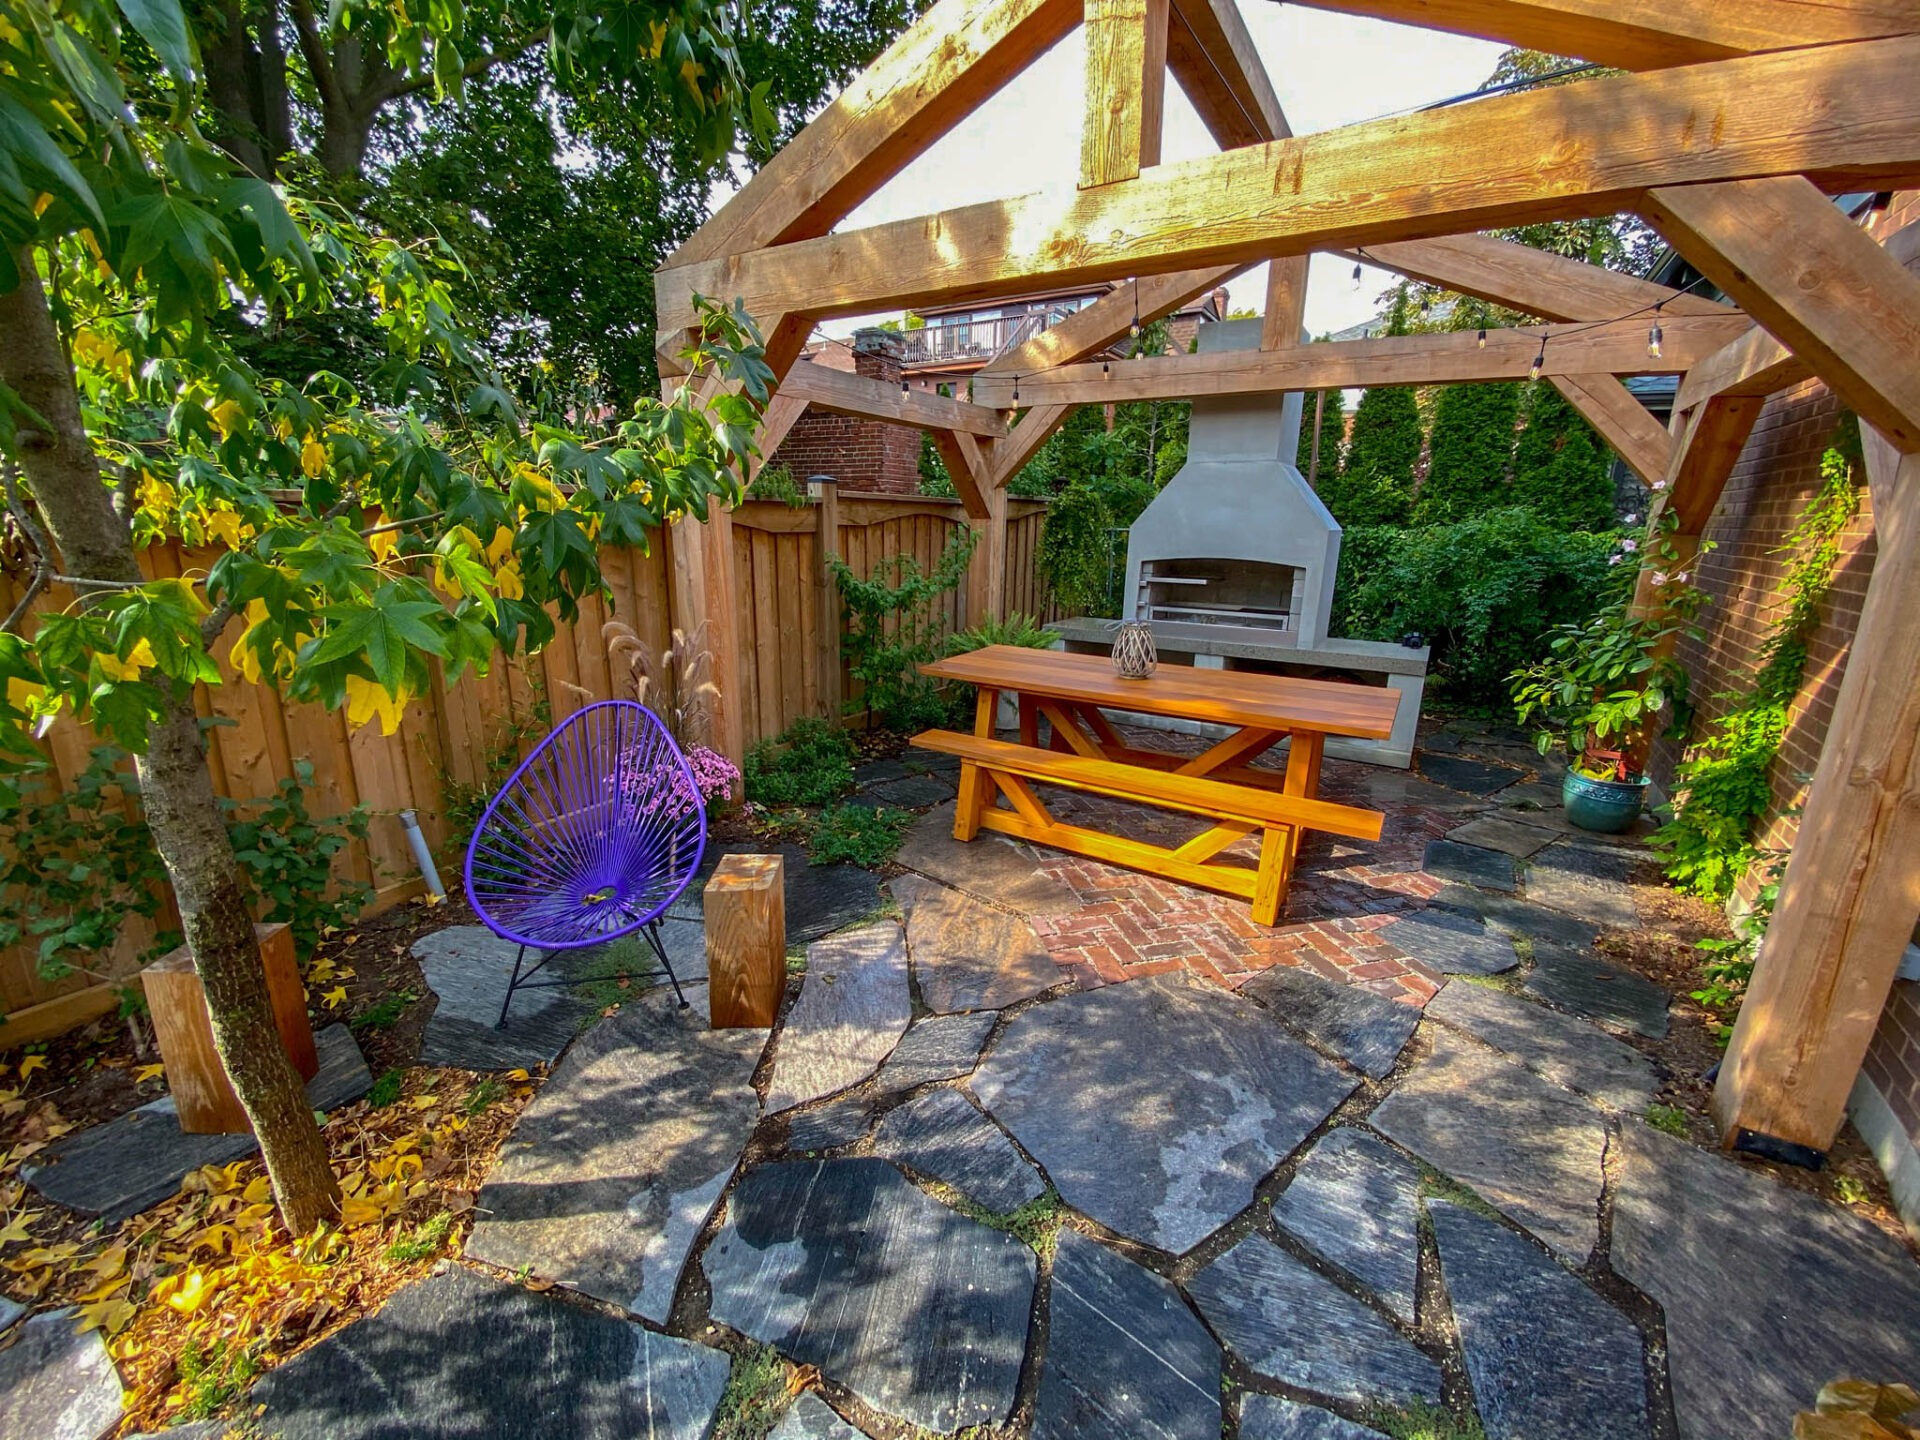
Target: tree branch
column 37, row 538
column 319, row 60
column 472, row 70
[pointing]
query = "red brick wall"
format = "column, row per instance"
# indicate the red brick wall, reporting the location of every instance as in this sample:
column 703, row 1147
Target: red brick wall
column 1776, row 475
column 865, row 455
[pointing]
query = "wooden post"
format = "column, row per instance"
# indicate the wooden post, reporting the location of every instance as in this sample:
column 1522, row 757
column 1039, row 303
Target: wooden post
column 987, row 571
column 201, row 1093
column 826, row 541
column 1851, row 891
column 746, row 913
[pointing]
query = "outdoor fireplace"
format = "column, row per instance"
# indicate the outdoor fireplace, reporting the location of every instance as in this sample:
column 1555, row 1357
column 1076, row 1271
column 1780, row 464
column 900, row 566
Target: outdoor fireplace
column 1233, row 564
column 1237, row 541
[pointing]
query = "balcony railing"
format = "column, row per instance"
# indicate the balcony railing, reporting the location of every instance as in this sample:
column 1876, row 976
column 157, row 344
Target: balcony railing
column 962, row 342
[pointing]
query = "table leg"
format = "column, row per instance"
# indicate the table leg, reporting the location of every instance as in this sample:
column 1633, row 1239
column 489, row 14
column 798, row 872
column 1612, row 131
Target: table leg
column 975, row 788
column 1029, row 722
column 1303, row 779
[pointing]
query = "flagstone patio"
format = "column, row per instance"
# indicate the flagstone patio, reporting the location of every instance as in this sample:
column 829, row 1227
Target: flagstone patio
column 1196, row 1179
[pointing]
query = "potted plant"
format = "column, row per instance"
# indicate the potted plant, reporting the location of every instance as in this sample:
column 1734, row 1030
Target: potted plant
column 1609, row 687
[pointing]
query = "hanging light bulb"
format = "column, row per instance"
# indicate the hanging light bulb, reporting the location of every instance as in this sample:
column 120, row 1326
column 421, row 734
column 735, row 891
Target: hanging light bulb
column 1016, row 389
column 1356, row 276
column 1482, row 342
column 1654, row 335
column 1426, row 307
column 1106, row 369
column 1539, row 360
column 903, row 385
column 1134, row 329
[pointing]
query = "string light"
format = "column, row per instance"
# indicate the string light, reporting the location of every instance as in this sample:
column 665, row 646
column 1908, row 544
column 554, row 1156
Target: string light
column 1482, row 342
column 1016, row 389
column 1539, row 360
column 1356, row 275
column 1133, row 330
column 1654, row 335
column 903, row 385
column 1106, row 369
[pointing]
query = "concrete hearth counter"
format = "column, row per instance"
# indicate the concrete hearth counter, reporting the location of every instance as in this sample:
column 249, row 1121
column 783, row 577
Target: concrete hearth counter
column 1399, row 667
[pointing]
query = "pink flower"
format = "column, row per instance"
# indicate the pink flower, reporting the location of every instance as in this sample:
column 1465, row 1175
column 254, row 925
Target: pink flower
column 1629, row 546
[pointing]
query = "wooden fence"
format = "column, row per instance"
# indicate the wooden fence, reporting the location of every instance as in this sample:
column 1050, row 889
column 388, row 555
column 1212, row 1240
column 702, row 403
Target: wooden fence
column 445, row 755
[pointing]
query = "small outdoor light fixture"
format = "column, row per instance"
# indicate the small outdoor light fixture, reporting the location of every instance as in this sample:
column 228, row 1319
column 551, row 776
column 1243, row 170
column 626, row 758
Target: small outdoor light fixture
column 1356, row 275
column 1539, row 361
column 1482, row 343
column 1654, row 335
column 817, row 486
column 1134, row 329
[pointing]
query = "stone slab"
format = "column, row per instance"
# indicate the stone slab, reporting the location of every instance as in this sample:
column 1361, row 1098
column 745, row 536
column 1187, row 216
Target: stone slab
column 853, row 1008
column 58, row 1384
column 847, row 1266
column 1540, row 798
column 939, row 1047
column 459, row 1355
column 1472, row 777
column 940, row 1134
column 10, row 1313
column 1470, row 865
column 811, row 1418
column 1514, row 916
column 1452, row 943
column 1544, row 1353
column 1366, row 1030
column 1745, row 1267
column 1567, row 1051
column 1390, row 790
column 613, row 1169
column 907, row 792
column 467, row 967
column 987, row 868
column 1589, row 986
column 1496, row 832
column 1125, row 1356
column 1355, row 1202
column 820, row 899
column 966, row 954
column 1585, row 880
column 840, row 1121
column 139, row 1159
column 1293, row 1325
column 1156, row 1106
column 195, row 1430
column 1525, row 1145
column 1269, row 1417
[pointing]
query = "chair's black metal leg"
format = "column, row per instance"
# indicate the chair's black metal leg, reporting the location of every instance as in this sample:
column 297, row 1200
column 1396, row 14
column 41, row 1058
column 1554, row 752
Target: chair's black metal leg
column 512, row 984
column 653, row 938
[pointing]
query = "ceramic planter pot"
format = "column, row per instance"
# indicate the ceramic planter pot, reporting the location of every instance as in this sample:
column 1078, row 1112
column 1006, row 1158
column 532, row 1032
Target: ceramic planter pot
column 1605, row 807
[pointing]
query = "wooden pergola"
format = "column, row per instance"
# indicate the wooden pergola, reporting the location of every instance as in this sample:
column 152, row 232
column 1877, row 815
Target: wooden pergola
column 1734, row 125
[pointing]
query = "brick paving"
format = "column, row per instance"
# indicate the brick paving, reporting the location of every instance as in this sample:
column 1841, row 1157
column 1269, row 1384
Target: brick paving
column 1343, row 891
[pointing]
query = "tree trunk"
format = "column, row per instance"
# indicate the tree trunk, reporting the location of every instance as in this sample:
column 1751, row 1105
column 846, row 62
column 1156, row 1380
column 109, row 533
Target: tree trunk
column 177, row 792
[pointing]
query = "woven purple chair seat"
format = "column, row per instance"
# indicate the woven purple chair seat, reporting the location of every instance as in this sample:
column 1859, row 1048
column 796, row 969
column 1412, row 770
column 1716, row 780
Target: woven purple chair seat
column 591, row 838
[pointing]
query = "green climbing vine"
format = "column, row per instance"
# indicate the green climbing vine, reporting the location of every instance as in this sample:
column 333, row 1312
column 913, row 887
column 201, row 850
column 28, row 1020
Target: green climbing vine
column 1725, row 787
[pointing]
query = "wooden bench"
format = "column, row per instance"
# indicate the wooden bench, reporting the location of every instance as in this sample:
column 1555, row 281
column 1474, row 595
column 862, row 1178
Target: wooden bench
column 1236, row 810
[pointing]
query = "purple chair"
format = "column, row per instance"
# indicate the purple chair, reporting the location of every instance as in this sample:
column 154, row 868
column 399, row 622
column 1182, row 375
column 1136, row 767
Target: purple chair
column 591, row 838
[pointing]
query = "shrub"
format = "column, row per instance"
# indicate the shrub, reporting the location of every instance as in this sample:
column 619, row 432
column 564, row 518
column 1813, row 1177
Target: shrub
column 1022, row 630
column 864, row 835
column 934, row 479
column 1484, row 592
column 1469, row 454
column 288, row 857
column 1561, row 469
column 1386, row 436
column 892, row 630
column 1074, row 551
column 1333, row 432
column 809, row 763
column 776, row 482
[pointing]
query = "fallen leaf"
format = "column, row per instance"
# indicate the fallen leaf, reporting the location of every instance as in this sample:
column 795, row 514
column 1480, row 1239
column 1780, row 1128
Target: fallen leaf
column 335, row 997
column 145, row 1073
column 31, row 1063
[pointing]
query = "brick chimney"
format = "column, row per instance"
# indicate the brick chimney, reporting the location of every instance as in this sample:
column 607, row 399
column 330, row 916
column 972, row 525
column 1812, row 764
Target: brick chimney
column 876, row 354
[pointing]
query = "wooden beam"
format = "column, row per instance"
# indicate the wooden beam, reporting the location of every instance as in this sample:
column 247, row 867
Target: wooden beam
column 1623, row 422
column 1851, row 891
column 1213, row 57
column 1126, row 89
column 951, row 59
column 844, row 393
column 1025, row 441
column 1616, row 348
column 1816, row 280
column 782, row 411
column 1847, row 115
column 968, row 468
column 987, row 571
column 1714, row 436
column 1755, row 364
column 1532, row 281
column 1103, row 323
column 1286, row 306
column 1646, row 34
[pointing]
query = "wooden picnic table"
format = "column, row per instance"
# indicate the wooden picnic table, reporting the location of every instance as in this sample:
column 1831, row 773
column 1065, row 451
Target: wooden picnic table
column 1084, row 752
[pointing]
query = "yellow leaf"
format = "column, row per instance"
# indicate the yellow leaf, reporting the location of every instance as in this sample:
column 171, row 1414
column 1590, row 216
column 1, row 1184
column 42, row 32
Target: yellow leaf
column 383, row 542
column 144, row 1073
column 355, row 1211
column 507, row 581
column 112, row 1316
column 109, row 1262
column 16, row 1228
column 518, row 1075
column 31, row 1063
column 228, row 524
column 313, row 458
column 365, row 700
column 500, row 546
column 258, row 1191
column 226, row 415
column 425, row 1102
column 192, row 1291
column 24, row 694
column 117, row 669
column 335, row 997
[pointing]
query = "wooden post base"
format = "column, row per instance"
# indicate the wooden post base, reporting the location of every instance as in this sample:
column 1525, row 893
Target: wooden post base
column 201, row 1092
column 746, row 913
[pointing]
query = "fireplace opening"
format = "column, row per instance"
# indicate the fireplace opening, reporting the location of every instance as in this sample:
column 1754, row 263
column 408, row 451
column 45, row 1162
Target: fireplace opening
column 1249, row 594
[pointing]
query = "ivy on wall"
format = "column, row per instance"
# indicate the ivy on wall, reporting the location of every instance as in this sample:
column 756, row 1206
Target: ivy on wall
column 1726, row 786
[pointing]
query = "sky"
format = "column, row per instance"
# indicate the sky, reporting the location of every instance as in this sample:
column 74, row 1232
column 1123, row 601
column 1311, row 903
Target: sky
column 1328, row 70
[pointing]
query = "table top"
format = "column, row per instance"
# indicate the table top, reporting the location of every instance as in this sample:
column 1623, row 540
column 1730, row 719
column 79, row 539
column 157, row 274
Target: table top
column 1224, row 697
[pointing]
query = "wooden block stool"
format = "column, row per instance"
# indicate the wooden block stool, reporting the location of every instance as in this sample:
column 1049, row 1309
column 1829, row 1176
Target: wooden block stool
column 201, row 1091
column 746, row 910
